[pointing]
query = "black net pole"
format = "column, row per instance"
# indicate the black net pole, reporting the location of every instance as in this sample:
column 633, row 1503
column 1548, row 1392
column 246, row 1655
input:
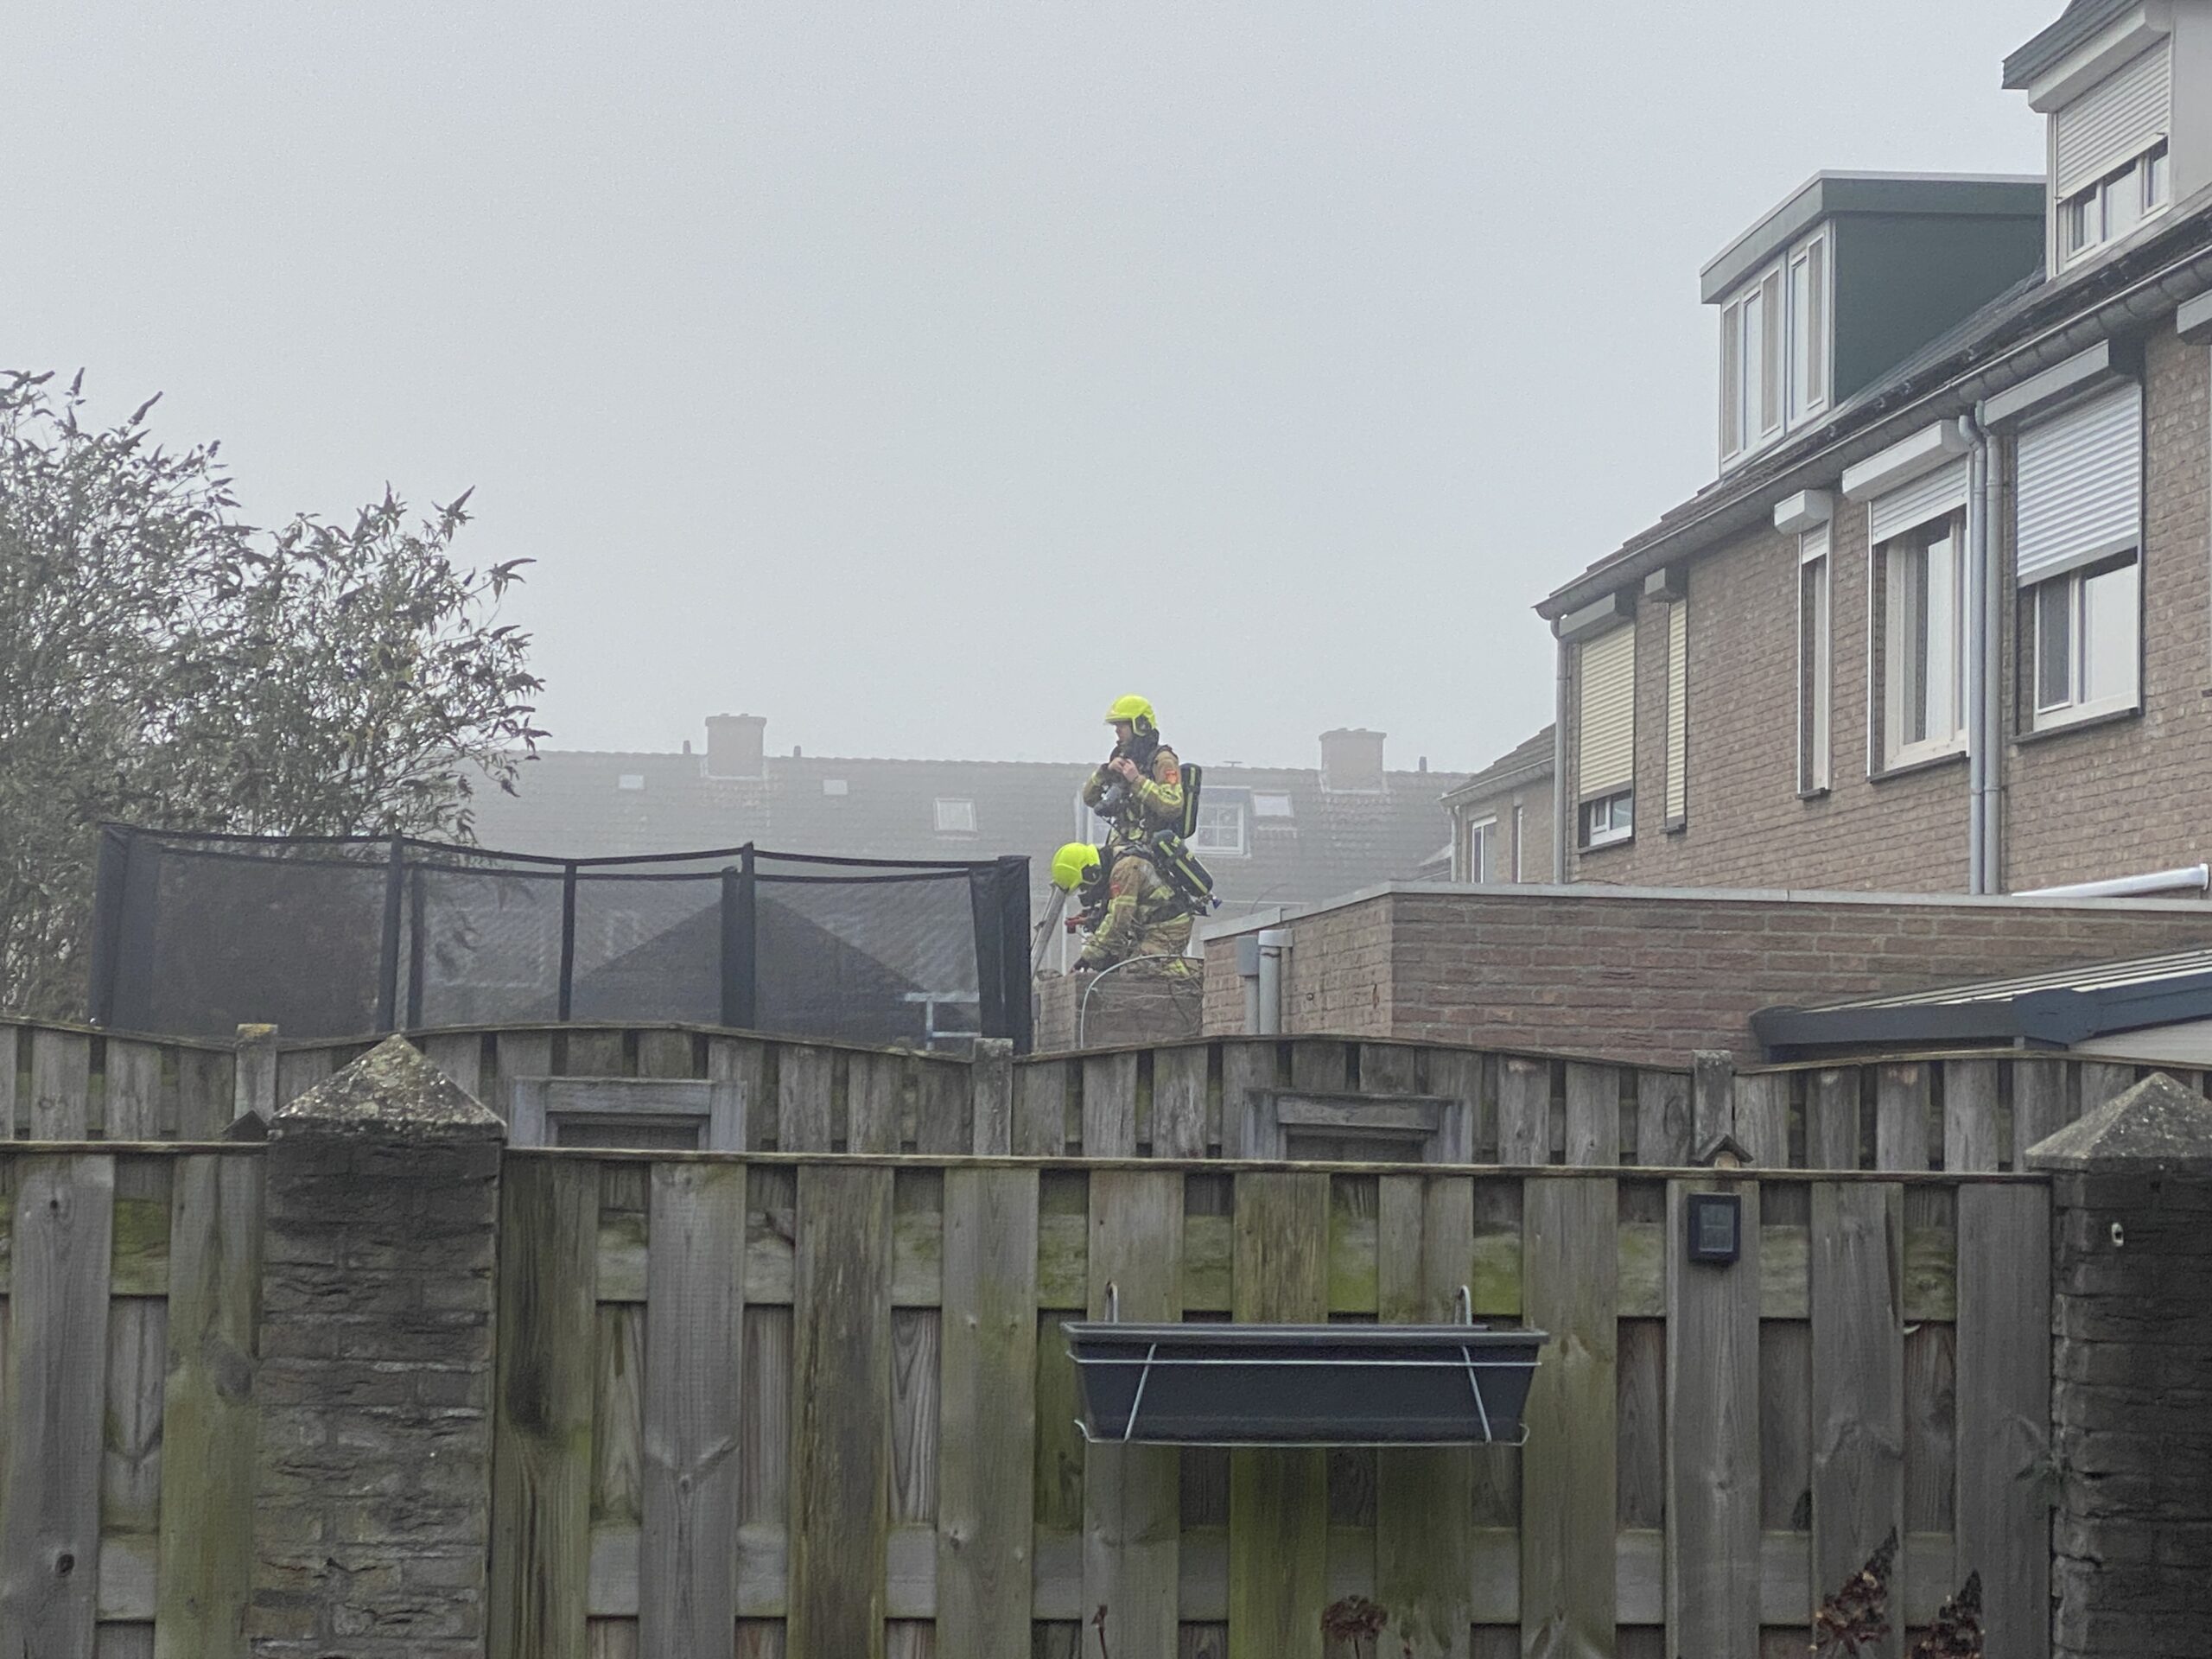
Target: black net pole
column 741, row 942
column 110, row 884
column 394, row 883
column 1014, row 948
column 568, row 938
column 415, row 947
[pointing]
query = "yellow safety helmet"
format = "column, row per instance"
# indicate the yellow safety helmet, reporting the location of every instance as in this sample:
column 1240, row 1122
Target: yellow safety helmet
column 1073, row 864
column 1134, row 710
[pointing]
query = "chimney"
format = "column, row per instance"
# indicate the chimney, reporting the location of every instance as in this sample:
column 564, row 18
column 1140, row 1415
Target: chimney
column 1352, row 761
column 736, row 746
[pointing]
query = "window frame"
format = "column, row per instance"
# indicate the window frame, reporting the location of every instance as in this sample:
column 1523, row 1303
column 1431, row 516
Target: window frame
column 1482, row 833
column 1242, row 846
column 1749, row 421
column 1816, row 723
column 938, row 816
column 2094, row 197
column 2037, row 716
column 1620, row 812
column 1885, row 599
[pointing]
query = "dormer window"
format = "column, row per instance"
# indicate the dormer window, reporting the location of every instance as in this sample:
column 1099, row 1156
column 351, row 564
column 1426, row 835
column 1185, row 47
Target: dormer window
column 2108, row 209
column 1775, row 351
column 2109, row 169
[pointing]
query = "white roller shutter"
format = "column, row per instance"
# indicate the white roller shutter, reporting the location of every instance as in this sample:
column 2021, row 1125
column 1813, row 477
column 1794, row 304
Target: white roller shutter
column 1678, row 731
column 1607, row 746
column 2080, row 491
column 1929, row 496
column 2117, row 119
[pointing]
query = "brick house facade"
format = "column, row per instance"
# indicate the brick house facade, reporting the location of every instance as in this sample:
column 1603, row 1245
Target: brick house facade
column 2123, row 791
column 1502, row 818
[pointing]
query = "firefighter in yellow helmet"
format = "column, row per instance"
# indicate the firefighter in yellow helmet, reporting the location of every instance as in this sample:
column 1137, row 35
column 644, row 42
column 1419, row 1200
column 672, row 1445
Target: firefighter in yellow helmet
column 1140, row 788
column 1127, row 910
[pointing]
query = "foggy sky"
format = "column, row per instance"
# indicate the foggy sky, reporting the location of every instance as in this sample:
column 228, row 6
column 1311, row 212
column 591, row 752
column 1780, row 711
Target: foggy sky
column 922, row 377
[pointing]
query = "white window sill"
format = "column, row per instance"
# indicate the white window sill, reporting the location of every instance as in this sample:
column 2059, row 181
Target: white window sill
column 1920, row 756
column 1620, row 838
column 2057, row 723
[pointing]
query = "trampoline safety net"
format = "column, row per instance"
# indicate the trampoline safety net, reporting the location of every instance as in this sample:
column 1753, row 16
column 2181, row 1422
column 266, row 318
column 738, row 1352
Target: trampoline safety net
column 197, row 934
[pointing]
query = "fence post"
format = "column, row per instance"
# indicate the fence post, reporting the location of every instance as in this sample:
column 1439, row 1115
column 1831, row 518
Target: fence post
column 374, row 1387
column 568, row 941
column 253, row 1090
column 2131, row 1559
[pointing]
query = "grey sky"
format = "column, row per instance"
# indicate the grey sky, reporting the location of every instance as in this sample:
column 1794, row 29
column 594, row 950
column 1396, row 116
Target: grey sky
column 923, row 376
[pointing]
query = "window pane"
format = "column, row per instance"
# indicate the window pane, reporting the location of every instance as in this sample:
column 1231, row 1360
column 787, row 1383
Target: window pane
column 2055, row 643
column 2081, row 220
column 1817, row 326
column 1813, row 674
column 1732, row 403
column 1754, row 369
column 2123, row 196
column 2156, row 178
column 1770, row 357
column 1909, row 570
column 2108, row 631
column 1801, row 335
column 1944, row 655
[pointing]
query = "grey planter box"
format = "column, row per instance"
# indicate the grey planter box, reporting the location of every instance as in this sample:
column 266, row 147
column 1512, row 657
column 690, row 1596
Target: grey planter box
column 1303, row 1384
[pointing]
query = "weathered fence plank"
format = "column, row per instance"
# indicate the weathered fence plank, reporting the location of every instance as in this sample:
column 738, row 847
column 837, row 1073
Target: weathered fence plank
column 1713, row 1097
column 1903, row 1102
column 520, row 1054
column 876, row 1088
column 985, row 1508
column 806, row 1099
column 14, row 1041
column 542, row 1423
column 1593, row 1113
column 991, row 1097
column 740, row 1066
column 1857, row 1383
column 2101, row 1081
column 840, row 1407
column 1970, row 1114
column 1568, row 1497
column 2040, row 1107
column 1040, row 1108
column 1278, row 1504
column 1132, row 1494
column 208, row 1427
column 1662, row 1120
column 1832, row 1119
column 1247, row 1068
column 687, row 1583
column 61, row 1085
column 1109, row 1106
column 1524, row 1111
column 1712, row 1438
column 1762, row 1118
column 1424, row 1499
column 2004, row 1389
column 57, row 1388
column 460, row 1055
column 134, row 1090
column 1178, row 1103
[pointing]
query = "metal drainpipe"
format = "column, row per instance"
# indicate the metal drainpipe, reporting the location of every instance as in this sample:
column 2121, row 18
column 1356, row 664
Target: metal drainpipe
column 1560, row 842
column 1274, row 945
column 1979, row 677
column 1992, row 775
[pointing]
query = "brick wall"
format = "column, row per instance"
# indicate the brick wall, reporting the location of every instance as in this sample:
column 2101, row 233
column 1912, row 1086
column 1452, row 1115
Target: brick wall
column 1648, row 977
column 2110, row 799
column 2137, row 794
column 1122, row 1009
column 1533, row 802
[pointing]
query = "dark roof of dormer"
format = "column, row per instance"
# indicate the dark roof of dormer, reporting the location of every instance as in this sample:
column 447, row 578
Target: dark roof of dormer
column 2081, row 20
column 1829, row 195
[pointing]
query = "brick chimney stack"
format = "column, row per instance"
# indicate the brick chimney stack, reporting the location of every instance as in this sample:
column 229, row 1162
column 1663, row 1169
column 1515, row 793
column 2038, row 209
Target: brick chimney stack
column 737, row 746
column 1352, row 761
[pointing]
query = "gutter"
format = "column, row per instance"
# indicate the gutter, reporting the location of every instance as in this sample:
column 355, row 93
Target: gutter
column 2141, row 303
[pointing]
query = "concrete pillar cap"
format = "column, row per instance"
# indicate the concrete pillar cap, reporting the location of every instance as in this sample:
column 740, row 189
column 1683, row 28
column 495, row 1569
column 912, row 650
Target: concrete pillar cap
column 392, row 1092
column 2158, row 1126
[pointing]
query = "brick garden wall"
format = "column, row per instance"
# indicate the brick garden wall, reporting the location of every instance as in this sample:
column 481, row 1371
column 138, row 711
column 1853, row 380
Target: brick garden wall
column 1651, row 977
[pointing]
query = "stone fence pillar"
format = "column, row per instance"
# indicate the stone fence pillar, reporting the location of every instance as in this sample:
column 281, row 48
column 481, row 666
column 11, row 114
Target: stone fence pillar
column 373, row 1476
column 2131, row 1377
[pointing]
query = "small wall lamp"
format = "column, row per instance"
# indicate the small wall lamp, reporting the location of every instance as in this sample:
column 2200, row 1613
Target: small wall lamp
column 1716, row 1227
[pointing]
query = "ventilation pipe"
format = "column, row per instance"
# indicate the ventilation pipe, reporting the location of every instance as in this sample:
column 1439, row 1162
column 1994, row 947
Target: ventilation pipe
column 2196, row 878
column 1275, row 946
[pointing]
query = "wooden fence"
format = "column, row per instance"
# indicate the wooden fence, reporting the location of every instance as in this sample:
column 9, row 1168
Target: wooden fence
column 1964, row 1113
column 857, row 1427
